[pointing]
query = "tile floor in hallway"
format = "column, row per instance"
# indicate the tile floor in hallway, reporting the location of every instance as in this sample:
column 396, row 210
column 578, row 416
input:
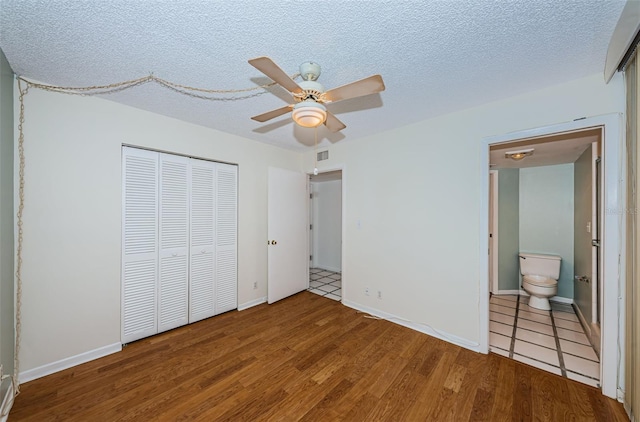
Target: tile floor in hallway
column 325, row 283
column 551, row 340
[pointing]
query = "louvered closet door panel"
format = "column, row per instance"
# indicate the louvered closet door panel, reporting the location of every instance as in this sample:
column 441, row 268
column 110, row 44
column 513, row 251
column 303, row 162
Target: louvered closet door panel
column 173, row 286
column 202, row 287
column 140, row 243
column 226, row 237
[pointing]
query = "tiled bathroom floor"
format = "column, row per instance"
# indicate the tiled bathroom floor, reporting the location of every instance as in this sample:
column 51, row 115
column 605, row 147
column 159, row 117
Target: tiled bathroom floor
column 551, row 340
column 325, row 283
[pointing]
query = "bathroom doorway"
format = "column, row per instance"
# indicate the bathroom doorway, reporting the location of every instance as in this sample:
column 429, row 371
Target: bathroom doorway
column 562, row 172
column 325, row 234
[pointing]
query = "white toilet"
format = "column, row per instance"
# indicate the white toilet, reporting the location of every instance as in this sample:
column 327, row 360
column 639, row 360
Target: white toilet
column 540, row 275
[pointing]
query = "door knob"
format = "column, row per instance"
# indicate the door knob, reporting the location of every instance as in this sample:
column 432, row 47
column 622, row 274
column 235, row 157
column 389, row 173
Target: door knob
column 582, row 278
column 273, row 242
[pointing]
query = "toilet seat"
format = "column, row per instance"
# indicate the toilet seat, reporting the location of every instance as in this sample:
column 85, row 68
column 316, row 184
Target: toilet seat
column 540, row 281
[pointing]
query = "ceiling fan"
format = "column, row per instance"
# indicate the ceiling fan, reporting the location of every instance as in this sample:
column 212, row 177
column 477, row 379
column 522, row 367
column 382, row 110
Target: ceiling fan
column 310, row 96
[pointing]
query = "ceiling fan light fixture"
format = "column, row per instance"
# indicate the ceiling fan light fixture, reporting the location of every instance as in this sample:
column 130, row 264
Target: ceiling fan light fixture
column 519, row 155
column 309, row 114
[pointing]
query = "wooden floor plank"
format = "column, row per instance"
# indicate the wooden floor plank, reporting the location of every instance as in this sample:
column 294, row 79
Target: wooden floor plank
column 305, row 358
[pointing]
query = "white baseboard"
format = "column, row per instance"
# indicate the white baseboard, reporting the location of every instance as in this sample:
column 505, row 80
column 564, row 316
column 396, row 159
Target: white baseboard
column 50, row 368
column 7, row 402
column 558, row 299
column 421, row 327
column 327, row 268
column 506, row 292
column 252, row 303
column 587, row 327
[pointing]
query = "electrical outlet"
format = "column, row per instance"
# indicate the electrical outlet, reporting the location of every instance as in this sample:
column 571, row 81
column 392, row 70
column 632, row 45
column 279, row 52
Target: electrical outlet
column 366, row 291
column 255, row 285
column 379, row 294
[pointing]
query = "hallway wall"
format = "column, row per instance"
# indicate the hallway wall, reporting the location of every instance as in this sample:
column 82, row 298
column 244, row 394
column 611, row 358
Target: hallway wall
column 327, row 225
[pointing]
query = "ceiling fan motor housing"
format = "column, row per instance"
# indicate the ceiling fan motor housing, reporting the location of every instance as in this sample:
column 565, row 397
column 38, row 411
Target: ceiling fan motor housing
column 311, row 90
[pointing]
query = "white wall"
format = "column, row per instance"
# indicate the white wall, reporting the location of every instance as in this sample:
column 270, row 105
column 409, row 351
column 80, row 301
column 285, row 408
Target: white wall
column 546, row 217
column 71, row 271
column 416, row 192
column 327, row 225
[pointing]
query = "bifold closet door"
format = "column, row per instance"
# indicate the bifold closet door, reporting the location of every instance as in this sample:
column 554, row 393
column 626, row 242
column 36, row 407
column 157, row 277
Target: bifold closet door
column 226, row 237
column 140, row 243
column 202, row 287
column 173, row 274
column 179, row 259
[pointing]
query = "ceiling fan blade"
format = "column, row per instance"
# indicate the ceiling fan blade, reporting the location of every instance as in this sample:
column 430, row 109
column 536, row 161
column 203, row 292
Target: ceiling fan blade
column 365, row 86
column 333, row 124
column 271, row 114
column 272, row 70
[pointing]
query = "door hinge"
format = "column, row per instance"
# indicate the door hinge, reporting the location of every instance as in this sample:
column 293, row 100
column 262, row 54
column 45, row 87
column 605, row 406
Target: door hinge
column 310, row 226
column 310, row 196
column 310, row 257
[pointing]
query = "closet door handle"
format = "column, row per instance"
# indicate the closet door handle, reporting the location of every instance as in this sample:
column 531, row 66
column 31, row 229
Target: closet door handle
column 203, row 251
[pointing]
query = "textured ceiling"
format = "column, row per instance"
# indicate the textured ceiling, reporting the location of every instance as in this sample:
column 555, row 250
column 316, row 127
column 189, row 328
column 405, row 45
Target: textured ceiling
column 435, row 57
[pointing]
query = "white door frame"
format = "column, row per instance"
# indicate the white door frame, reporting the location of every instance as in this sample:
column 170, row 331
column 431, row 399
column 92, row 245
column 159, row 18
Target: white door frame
column 343, row 228
column 493, row 196
column 596, row 215
column 612, row 325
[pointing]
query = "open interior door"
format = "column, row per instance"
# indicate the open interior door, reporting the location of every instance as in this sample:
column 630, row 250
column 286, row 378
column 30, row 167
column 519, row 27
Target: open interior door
column 287, row 227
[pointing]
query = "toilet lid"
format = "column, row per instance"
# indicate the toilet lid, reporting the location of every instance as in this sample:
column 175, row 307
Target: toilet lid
column 541, row 281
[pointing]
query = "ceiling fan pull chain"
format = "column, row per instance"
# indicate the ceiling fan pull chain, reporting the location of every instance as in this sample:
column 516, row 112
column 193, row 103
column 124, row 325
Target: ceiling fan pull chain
column 315, row 152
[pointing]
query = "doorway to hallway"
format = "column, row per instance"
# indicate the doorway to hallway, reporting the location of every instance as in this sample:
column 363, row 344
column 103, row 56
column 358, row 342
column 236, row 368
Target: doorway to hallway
column 325, row 234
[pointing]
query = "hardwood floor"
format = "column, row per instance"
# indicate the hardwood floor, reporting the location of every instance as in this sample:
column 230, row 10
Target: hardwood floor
column 305, row 358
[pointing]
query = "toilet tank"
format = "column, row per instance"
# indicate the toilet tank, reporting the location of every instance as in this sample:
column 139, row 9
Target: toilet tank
column 539, row 264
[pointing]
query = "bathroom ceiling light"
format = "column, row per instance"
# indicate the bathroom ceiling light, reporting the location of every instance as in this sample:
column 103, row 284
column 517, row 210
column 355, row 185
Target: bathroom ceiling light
column 309, row 114
column 518, row 155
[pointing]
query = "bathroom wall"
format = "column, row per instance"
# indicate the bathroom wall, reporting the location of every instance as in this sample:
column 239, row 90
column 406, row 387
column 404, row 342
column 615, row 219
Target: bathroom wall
column 546, row 217
column 508, row 223
column 582, row 236
column 327, row 225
